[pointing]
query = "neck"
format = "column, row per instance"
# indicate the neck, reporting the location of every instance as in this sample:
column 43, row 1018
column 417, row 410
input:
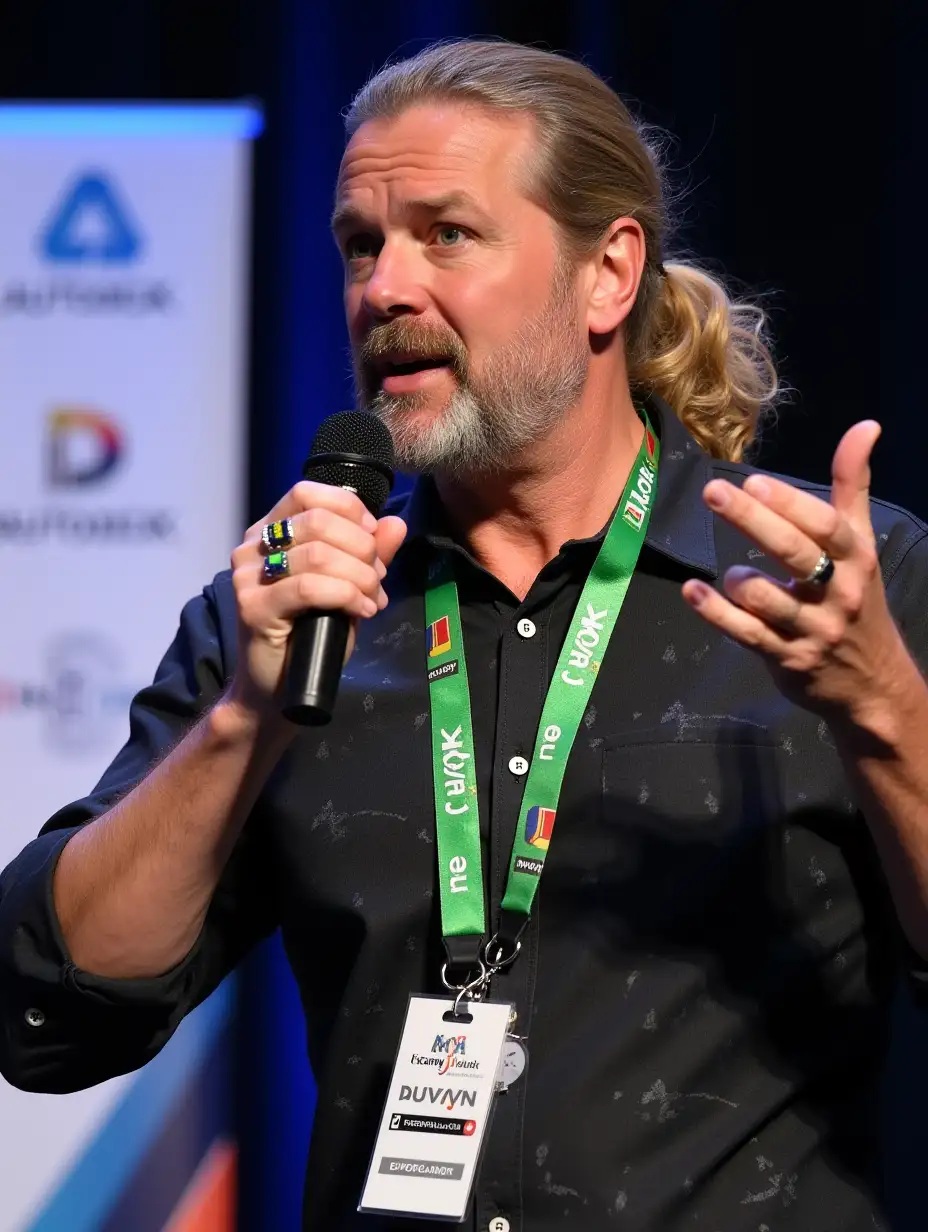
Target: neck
column 565, row 487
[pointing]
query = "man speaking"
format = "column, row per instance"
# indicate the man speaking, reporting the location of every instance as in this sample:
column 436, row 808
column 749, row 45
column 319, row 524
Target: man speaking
column 684, row 741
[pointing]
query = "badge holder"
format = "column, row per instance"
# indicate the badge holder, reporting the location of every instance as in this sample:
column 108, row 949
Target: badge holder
column 438, row 1108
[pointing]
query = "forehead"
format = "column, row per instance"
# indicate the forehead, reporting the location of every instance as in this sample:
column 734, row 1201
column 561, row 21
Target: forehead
column 437, row 148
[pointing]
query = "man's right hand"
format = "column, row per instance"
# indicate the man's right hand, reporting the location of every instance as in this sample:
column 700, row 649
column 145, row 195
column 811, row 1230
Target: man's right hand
column 337, row 562
column 133, row 887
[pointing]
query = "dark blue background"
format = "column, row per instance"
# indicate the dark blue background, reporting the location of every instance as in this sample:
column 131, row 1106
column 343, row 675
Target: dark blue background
column 797, row 156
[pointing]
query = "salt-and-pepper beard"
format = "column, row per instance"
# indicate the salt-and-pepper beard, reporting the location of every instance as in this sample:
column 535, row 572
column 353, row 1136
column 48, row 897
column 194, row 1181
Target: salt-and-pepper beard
column 521, row 393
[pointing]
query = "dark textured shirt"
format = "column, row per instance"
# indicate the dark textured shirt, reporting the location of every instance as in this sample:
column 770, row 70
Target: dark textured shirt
column 706, row 978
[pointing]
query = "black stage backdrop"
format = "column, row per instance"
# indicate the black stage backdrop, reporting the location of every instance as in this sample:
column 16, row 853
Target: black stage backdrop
column 796, row 152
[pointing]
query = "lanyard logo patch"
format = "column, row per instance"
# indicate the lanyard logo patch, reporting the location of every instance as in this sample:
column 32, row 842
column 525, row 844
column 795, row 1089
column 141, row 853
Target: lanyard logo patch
column 438, row 637
column 640, row 496
column 539, row 825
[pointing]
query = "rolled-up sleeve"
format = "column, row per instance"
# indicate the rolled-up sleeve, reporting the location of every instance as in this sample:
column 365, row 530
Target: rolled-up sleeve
column 61, row 1028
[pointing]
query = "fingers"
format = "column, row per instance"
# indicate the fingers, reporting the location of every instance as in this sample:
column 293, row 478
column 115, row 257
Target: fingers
column 795, row 526
column 744, row 626
column 306, row 496
column 850, row 473
column 784, row 608
column 793, row 652
column 322, row 525
column 813, row 517
column 318, row 525
column 337, row 560
column 389, row 536
column 809, row 633
column 792, row 526
column 755, row 592
column 322, row 558
column 264, row 606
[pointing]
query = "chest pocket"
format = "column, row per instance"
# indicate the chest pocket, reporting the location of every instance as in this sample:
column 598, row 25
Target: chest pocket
column 712, row 855
column 692, row 839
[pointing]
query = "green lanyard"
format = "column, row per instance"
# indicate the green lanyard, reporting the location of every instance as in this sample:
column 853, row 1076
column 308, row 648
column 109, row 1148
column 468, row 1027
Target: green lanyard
column 457, row 821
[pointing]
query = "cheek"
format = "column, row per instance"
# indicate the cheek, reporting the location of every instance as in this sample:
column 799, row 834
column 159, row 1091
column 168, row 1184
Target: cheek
column 488, row 311
column 352, row 299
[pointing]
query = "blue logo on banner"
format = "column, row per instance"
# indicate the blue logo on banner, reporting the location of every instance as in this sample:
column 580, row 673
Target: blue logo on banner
column 91, row 224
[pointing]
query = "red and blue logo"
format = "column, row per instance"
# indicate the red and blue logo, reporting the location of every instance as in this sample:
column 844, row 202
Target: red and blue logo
column 539, row 826
column 438, row 637
column 84, row 445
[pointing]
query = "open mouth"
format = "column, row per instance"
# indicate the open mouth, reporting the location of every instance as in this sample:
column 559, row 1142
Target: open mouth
column 411, row 365
column 402, row 373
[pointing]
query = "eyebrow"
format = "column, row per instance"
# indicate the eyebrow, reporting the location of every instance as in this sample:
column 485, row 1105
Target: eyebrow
column 345, row 215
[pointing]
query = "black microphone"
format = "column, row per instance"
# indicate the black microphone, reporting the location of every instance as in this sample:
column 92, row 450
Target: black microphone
column 352, row 450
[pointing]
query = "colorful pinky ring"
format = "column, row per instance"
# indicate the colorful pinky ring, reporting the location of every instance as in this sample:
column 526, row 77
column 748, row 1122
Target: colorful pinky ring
column 277, row 565
column 278, row 535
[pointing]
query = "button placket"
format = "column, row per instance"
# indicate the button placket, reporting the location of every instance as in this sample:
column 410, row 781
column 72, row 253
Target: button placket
column 522, row 683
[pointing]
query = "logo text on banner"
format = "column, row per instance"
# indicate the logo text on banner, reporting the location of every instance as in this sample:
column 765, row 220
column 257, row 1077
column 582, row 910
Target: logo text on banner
column 83, row 446
column 90, row 232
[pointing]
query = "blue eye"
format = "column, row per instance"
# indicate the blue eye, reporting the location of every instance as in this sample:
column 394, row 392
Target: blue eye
column 449, row 236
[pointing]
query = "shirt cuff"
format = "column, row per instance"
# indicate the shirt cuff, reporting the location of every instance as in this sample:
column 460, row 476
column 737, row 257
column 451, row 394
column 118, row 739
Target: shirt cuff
column 65, row 1028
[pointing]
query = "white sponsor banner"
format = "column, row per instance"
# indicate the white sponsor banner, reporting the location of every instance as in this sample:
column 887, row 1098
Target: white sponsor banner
column 123, row 269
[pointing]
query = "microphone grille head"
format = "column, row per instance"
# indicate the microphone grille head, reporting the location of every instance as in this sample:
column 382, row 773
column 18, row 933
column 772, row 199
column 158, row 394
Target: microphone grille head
column 355, row 432
column 368, row 468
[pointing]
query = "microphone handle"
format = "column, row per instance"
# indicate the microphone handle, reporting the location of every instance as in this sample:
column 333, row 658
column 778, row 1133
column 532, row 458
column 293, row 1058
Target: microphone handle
column 315, row 657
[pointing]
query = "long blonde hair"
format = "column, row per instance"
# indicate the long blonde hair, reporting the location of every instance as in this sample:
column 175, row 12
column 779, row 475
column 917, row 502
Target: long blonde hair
column 687, row 339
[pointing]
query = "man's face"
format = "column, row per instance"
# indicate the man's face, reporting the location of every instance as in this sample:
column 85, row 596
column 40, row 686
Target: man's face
column 466, row 332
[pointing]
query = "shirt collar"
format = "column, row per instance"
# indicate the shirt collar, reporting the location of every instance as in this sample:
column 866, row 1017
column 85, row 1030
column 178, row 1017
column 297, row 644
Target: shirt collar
column 681, row 526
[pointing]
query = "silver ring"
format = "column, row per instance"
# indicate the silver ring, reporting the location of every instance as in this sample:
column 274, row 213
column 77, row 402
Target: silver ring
column 822, row 572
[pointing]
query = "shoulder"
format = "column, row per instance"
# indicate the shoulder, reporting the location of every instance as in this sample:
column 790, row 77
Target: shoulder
column 899, row 533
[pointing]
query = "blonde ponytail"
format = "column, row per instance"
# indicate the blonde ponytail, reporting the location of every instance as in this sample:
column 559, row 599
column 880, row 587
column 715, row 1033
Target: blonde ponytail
column 707, row 356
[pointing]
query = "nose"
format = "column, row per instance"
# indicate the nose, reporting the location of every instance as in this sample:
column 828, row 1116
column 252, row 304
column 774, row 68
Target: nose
column 395, row 286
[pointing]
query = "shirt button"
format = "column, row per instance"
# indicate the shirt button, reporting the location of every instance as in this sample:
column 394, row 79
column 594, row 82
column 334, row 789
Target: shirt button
column 527, row 628
column 35, row 1018
column 499, row 1224
column 518, row 765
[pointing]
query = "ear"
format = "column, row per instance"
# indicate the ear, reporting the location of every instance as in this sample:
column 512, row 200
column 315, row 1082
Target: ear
column 617, row 267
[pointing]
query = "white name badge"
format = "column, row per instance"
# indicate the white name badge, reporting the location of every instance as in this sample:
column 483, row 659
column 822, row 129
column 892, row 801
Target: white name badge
column 438, row 1106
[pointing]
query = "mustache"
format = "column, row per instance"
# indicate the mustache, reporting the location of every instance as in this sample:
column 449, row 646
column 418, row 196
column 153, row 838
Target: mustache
column 405, row 341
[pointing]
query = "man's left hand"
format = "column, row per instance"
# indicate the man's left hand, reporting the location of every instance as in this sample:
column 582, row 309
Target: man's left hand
column 832, row 648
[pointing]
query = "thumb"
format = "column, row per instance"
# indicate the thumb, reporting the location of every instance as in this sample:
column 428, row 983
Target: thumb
column 850, row 473
column 389, row 535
